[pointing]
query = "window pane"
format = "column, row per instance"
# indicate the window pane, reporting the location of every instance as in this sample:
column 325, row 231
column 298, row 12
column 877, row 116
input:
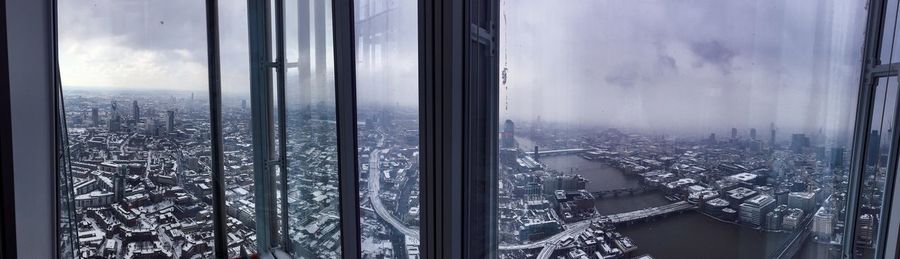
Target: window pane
column 236, row 128
column 388, row 127
column 626, row 125
column 875, row 173
column 135, row 81
column 313, row 205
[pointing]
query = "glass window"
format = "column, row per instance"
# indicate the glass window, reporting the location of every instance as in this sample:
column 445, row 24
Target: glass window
column 875, row 173
column 313, row 196
column 700, row 129
column 134, row 78
column 388, row 127
column 236, row 128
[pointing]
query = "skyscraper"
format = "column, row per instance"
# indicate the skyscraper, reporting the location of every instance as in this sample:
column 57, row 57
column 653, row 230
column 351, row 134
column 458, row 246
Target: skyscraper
column 95, row 116
column 733, row 133
column 114, row 120
column 508, row 138
column 873, row 148
column 170, row 119
column 799, row 142
column 136, row 110
column 772, row 135
column 244, row 104
column 753, row 133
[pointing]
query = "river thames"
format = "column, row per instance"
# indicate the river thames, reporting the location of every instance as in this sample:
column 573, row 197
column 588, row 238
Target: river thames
column 686, row 235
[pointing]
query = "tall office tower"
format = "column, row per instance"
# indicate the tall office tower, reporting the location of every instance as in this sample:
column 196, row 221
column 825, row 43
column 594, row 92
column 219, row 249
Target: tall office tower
column 799, row 142
column 508, row 138
column 95, row 116
column 136, row 110
column 536, row 153
column 114, row 124
column 873, row 149
column 114, row 119
column 837, row 157
column 772, row 135
column 753, row 133
column 733, row 133
column 712, row 138
column 244, row 104
column 170, row 119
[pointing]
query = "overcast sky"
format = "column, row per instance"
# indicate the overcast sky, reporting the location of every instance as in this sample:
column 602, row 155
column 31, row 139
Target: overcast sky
column 678, row 65
column 692, row 65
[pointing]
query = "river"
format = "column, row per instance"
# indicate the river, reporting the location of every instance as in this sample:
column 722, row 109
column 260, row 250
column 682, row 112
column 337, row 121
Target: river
column 687, row 235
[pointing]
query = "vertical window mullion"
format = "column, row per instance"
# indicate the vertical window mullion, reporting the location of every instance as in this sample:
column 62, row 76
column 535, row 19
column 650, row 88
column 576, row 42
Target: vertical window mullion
column 261, row 113
column 282, row 121
column 345, row 98
column 215, row 109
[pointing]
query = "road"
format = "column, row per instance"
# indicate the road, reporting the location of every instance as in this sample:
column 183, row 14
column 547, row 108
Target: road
column 375, row 188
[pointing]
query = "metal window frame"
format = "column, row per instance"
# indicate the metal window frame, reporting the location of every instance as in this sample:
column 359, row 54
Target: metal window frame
column 262, row 119
column 260, row 18
column 7, row 192
column 220, row 245
column 865, row 105
column 345, row 106
column 458, row 105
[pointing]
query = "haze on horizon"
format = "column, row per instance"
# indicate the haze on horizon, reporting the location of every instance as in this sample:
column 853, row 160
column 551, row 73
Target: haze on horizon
column 651, row 64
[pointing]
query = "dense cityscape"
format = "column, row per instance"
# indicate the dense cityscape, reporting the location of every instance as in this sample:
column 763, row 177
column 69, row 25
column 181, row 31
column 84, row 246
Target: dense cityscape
column 582, row 193
column 142, row 178
column 142, row 184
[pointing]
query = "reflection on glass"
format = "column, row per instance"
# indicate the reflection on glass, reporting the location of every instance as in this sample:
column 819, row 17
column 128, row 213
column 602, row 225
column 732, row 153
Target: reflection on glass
column 388, row 128
column 701, row 129
column 875, row 172
column 236, row 129
column 313, row 196
column 135, row 82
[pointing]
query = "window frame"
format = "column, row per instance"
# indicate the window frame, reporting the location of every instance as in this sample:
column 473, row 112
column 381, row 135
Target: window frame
column 7, row 192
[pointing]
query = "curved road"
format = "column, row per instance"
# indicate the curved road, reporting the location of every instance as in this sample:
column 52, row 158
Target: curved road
column 375, row 188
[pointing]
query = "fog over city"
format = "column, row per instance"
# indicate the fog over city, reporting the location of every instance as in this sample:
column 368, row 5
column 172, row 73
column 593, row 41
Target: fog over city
column 605, row 63
column 664, row 64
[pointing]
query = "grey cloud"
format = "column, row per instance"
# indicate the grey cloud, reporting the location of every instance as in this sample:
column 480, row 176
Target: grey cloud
column 714, row 52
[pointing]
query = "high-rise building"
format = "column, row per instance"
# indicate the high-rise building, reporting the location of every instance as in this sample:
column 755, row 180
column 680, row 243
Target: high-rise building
column 244, row 104
column 753, row 211
column 95, row 116
column 873, row 148
column 823, row 224
column 508, row 138
column 170, row 119
column 772, row 135
column 799, row 142
column 136, row 110
column 753, row 133
column 733, row 133
column 837, row 157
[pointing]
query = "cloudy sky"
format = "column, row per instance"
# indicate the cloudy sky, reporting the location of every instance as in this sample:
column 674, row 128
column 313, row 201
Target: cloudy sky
column 656, row 64
column 692, row 65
